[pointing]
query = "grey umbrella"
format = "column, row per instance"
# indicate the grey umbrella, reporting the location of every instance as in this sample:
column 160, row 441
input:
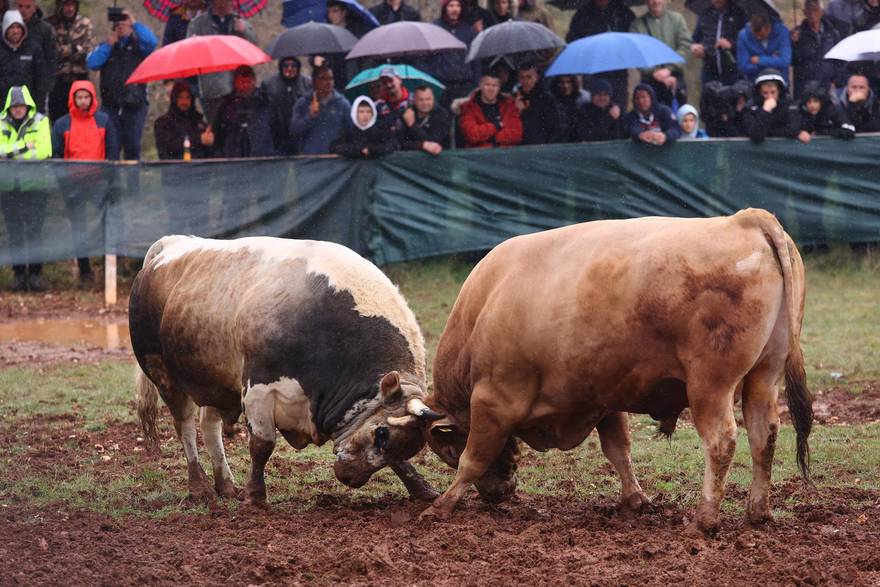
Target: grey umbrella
column 312, row 38
column 405, row 38
column 513, row 36
column 750, row 7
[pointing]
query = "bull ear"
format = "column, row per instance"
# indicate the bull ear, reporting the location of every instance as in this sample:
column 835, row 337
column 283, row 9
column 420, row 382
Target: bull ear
column 442, row 427
column 390, row 384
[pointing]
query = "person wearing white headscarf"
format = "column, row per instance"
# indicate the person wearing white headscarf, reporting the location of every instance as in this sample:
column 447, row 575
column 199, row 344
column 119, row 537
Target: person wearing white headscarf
column 689, row 122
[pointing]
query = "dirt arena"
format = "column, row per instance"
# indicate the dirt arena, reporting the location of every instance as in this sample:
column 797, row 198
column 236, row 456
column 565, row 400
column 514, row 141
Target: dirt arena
column 821, row 538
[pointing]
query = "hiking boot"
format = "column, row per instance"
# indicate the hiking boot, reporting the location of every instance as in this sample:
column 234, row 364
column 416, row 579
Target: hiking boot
column 20, row 282
column 37, row 284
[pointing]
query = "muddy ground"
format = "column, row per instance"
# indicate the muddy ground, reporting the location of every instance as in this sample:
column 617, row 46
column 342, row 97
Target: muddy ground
column 820, row 538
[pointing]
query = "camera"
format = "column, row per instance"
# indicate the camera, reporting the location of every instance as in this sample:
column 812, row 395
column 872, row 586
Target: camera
column 718, row 107
column 116, row 14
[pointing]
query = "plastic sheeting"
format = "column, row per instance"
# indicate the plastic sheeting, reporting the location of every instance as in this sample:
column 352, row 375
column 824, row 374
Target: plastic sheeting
column 412, row 205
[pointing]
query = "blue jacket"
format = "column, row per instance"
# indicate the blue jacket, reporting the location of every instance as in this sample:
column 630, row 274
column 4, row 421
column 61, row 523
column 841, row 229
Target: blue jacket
column 777, row 53
column 314, row 135
column 147, row 44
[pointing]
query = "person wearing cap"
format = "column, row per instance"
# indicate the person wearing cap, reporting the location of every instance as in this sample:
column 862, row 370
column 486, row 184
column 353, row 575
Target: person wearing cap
column 21, row 60
column 599, row 119
column 649, row 122
column 221, row 18
column 283, row 89
column 769, row 114
column 391, row 11
column 394, row 101
column 667, row 26
column 242, row 126
column 538, row 108
column 765, row 43
column 321, row 117
column 810, row 41
column 127, row 45
column 368, row 136
column 427, row 125
column 24, row 135
column 74, row 40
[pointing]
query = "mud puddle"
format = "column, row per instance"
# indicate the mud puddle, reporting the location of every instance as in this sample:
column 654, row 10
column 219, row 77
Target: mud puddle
column 65, row 331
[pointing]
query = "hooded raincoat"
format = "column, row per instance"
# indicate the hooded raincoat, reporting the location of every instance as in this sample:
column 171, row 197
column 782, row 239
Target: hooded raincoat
column 697, row 133
column 375, row 136
column 29, row 139
column 658, row 117
column 23, row 65
column 83, row 135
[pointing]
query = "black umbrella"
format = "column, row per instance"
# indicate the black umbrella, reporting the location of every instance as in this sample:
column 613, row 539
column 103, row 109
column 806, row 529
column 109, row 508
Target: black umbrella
column 575, row 4
column 750, row 7
column 312, row 38
column 513, row 36
column 405, row 38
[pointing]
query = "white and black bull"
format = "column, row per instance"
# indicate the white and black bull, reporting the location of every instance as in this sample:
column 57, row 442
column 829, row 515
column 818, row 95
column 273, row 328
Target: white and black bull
column 305, row 337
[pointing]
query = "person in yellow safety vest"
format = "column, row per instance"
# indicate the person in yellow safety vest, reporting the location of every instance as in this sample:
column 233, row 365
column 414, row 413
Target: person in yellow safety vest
column 24, row 134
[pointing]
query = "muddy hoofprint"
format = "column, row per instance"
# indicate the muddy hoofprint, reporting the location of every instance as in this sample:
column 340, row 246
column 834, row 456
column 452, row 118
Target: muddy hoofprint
column 306, row 337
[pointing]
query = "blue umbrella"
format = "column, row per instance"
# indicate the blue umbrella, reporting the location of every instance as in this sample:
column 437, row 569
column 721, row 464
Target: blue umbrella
column 612, row 51
column 412, row 78
column 297, row 12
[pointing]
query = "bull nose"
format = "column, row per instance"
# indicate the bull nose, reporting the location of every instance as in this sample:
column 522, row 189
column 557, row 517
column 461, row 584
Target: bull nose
column 349, row 478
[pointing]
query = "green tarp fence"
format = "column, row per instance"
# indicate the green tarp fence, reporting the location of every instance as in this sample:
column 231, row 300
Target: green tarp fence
column 412, row 205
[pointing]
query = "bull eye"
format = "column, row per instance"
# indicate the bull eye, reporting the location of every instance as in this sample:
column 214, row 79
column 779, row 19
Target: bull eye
column 381, row 437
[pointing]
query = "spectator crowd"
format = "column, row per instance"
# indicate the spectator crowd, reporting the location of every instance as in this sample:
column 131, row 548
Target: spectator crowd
column 759, row 79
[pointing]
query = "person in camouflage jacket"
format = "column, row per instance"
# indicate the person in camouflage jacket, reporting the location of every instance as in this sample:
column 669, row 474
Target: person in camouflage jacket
column 74, row 38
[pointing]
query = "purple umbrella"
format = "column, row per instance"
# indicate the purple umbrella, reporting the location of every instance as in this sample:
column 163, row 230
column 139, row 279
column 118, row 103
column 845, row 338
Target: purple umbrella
column 405, row 38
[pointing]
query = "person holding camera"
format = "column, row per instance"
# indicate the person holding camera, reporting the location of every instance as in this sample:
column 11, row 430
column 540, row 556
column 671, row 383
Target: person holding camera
column 127, row 45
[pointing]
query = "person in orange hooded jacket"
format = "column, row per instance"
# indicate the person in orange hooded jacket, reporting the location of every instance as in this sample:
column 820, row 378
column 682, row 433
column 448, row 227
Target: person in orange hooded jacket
column 490, row 118
column 85, row 133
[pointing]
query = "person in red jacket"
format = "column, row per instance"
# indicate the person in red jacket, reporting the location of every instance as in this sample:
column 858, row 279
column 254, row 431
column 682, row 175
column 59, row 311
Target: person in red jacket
column 85, row 134
column 490, row 118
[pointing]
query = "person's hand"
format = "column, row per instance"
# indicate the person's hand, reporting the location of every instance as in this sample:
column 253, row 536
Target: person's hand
column 318, row 60
column 698, row 51
column 365, row 152
column 520, row 103
column 614, row 111
column 670, row 82
column 769, row 105
column 740, row 103
column 646, row 136
column 240, row 26
column 754, row 60
column 804, row 137
column 659, row 138
column 131, row 18
column 478, row 26
column 857, row 96
column 315, row 106
column 208, row 137
column 723, row 43
column 795, row 34
column 112, row 37
column 432, row 147
column 30, row 145
column 409, row 117
column 661, row 74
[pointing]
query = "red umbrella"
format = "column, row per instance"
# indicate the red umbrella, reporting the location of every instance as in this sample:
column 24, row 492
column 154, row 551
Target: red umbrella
column 197, row 56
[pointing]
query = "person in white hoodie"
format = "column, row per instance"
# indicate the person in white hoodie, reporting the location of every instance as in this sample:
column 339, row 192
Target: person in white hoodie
column 21, row 61
column 689, row 122
column 367, row 137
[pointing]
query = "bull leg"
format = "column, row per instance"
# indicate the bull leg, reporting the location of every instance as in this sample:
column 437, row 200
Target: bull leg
column 487, row 438
column 716, row 425
column 418, row 487
column 762, row 422
column 615, row 440
column 184, row 413
column 211, row 422
column 259, row 406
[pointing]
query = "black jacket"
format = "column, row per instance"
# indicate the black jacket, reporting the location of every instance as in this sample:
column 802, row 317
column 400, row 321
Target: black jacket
column 719, row 65
column 242, row 127
column 41, row 33
column 783, row 121
column 589, row 20
column 595, row 124
column 385, row 15
column 435, row 127
column 378, row 139
column 542, row 119
column 174, row 126
column 23, row 67
column 865, row 117
column 282, row 94
column 807, row 56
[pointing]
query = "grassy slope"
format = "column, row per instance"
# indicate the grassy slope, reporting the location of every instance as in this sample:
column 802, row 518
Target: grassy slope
column 80, row 406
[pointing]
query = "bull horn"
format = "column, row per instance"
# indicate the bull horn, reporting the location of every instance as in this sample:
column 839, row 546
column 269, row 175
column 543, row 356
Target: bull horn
column 417, row 407
column 402, row 420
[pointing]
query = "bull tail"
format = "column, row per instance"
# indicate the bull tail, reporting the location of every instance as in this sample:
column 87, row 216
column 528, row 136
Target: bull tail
column 797, row 395
column 147, row 398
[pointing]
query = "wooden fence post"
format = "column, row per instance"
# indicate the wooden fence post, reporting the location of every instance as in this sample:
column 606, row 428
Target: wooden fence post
column 110, row 280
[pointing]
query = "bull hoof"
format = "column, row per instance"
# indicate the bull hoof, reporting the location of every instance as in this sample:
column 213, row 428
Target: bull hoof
column 635, row 502
column 497, row 491
column 435, row 514
column 255, row 504
column 759, row 517
column 226, row 489
column 425, row 494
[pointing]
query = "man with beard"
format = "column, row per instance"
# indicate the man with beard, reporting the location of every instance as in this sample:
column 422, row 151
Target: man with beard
column 74, row 39
column 427, row 126
column 283, row 90
column 538, row 108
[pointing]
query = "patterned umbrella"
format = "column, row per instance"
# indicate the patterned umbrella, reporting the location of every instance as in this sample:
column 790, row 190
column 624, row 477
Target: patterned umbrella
column 162, row 8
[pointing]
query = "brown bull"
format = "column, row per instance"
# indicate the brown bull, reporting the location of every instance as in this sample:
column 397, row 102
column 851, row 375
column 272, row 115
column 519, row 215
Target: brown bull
column 557, row 333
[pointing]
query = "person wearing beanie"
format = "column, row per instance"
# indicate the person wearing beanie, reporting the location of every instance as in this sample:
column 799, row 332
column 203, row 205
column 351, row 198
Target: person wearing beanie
column 648, row 122
column 368, row 136
column 21, row 60
column 24, row 135
column 599, row 119
column 689, row 122
column 84, row 133
column 769, row 113
column 282, row 90
column 74, row 40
